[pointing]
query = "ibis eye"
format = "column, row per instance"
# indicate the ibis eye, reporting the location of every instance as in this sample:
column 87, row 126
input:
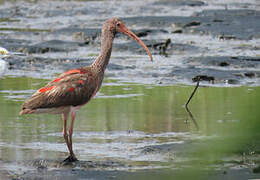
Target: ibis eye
column 118, row 24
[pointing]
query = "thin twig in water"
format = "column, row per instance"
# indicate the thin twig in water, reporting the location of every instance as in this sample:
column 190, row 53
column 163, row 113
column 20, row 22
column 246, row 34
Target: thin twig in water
column 192, row 94
column 187, row 103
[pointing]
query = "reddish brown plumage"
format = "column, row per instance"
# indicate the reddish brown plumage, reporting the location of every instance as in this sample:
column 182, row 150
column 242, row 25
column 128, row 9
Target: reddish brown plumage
column 44, row 89
column 74, row 88
column 71, row 89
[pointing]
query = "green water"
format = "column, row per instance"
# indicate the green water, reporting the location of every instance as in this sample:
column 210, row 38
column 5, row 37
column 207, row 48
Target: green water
column 227, row 118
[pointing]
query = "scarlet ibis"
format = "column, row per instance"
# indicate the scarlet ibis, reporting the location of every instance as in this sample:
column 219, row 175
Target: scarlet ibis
column 74, row 88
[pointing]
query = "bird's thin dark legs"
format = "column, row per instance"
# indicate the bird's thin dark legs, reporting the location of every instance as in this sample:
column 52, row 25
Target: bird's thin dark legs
column 68, row 138
column 64, row 131
column 73, row 115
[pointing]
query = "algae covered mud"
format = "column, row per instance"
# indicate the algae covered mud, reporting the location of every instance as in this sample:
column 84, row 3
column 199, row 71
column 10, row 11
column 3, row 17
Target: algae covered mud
column 137, row 126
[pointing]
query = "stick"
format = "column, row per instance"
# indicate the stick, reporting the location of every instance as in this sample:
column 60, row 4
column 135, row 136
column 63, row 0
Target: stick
column 187, row 103
column 192, row 94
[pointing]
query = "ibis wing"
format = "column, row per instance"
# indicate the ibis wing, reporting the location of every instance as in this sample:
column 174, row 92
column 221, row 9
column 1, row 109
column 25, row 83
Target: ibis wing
column 72, row 90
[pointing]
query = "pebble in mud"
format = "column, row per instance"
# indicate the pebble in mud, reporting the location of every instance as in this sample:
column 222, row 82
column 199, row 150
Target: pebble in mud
column 177, row 31
column 249, row 74
column 191, row 24
column 226, row 37
column 223, row 64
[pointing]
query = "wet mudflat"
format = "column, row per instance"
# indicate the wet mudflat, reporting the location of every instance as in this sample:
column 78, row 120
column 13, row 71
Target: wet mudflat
column 132, row 130
column 187, row 38
column 137, row 126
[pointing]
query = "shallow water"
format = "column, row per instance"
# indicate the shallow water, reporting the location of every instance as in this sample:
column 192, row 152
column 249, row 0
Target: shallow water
column 140, row 126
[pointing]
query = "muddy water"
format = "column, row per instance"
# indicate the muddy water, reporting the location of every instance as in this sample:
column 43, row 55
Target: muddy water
column 132, row 126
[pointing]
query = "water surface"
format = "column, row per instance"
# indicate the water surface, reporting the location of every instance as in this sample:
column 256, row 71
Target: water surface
column 143, row 126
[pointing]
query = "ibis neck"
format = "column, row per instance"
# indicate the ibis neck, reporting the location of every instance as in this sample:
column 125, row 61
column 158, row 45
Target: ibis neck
column 102, row 60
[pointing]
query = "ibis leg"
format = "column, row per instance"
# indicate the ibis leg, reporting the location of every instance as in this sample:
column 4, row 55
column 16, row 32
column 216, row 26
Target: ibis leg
column 64, row 131
column 67, row 138
column 73, row 115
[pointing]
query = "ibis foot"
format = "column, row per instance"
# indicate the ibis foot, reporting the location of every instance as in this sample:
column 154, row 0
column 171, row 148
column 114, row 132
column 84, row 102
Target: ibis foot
column 70, row 158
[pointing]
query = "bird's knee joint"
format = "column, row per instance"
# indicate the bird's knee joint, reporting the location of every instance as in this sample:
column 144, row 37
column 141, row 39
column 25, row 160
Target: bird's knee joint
column 70, row 132
column 65, row 135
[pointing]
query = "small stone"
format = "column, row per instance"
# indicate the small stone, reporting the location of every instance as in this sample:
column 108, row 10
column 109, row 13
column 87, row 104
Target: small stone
column 223, row 64
column 226, row 37
column 177, row 31
column 249, row 74
column 142, row 34
column 193, row 23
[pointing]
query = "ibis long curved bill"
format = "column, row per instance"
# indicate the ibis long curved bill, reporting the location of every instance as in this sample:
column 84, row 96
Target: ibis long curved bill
column 129, row 33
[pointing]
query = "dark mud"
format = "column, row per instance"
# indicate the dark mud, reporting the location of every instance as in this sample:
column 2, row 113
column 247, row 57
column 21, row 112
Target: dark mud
column 223, row 69
column 227, row 22
column 68, row 174
column 240, row 24
column 215, row 30
column 240, row 167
